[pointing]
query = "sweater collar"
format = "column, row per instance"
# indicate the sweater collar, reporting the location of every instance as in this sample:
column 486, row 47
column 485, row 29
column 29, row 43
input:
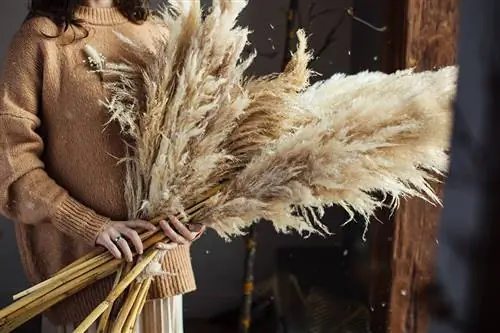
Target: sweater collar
column 99, row 16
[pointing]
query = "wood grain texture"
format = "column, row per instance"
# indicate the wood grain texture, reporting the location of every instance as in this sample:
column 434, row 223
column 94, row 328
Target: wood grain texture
column 431, row 33
column 430, row 42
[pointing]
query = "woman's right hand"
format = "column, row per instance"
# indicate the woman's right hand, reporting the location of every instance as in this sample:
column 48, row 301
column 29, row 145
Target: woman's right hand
column 114, row 237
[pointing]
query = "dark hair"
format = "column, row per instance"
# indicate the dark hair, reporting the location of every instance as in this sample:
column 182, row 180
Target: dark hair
column 61, row 11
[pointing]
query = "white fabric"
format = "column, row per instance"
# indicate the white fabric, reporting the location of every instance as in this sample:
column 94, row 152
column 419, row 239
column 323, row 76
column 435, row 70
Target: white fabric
column 158, row 316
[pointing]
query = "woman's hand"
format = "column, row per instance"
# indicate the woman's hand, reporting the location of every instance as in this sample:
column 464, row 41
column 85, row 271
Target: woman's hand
column 114, row 237
column 179, row 233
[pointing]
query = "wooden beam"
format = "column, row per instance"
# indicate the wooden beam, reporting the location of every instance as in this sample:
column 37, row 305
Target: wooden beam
column 431, row 31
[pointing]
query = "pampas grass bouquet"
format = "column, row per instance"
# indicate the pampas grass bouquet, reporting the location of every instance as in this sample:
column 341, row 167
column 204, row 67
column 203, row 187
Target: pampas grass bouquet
column 210, row 144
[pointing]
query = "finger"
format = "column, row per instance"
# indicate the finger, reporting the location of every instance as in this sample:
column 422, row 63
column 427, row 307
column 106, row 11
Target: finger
column 200, row 232
column 125, row 248
column 166, row 246
column 140, row 224
column 111, row 247
column 134, row 237
column 181, row 228
column 120, row 242
column 196, row 227
column 171, row 234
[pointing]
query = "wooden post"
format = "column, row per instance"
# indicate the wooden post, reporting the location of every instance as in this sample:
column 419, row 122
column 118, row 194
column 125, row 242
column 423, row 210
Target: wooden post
column 431, row 31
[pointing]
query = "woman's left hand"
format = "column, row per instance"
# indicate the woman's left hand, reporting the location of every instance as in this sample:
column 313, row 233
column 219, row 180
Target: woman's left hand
column 179, row 233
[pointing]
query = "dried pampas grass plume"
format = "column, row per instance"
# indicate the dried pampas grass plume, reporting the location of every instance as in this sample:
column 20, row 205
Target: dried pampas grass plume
column 202, row 119
column 388, row 136
column 282, row 148
column 270, row 112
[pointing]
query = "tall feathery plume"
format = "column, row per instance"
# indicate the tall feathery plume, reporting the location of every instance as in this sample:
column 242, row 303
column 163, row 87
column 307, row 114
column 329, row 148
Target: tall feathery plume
column 268, row 115
column 390, row 135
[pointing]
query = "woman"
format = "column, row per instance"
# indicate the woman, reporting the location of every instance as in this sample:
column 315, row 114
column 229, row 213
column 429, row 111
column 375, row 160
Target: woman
column 59, row 177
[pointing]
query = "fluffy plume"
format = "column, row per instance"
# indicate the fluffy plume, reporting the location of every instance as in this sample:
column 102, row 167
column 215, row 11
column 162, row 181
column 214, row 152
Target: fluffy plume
column 389, row 134
column 271, row 111
column 194, row 99
column 275, row 147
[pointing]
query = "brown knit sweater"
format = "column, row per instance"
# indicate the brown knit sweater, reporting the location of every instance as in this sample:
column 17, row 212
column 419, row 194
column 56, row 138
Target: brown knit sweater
column 59, row 177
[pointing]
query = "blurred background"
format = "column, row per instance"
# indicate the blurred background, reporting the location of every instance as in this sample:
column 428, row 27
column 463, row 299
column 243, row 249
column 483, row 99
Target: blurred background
column 338, row 284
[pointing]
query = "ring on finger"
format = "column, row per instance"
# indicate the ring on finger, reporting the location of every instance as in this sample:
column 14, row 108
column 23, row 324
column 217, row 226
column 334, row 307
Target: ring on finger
column 117, row 239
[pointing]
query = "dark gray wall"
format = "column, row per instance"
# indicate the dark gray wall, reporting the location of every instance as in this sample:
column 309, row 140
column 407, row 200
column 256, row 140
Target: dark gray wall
column 219, row 265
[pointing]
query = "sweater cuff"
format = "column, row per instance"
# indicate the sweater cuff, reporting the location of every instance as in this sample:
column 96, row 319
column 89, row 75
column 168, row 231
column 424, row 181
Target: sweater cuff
column 74, row 219
column 179, row 276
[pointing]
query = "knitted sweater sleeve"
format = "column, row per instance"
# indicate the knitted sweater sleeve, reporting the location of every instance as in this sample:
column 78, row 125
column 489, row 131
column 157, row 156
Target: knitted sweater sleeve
column 27, row 193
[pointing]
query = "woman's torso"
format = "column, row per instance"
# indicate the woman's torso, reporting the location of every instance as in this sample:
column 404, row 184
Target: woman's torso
column 81, row 150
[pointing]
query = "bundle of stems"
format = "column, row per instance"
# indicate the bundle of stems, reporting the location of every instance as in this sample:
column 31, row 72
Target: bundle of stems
column 80, row 274
column 210, row 145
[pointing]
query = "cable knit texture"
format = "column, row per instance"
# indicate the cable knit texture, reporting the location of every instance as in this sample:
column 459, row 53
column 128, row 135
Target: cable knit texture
column 59, row 177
